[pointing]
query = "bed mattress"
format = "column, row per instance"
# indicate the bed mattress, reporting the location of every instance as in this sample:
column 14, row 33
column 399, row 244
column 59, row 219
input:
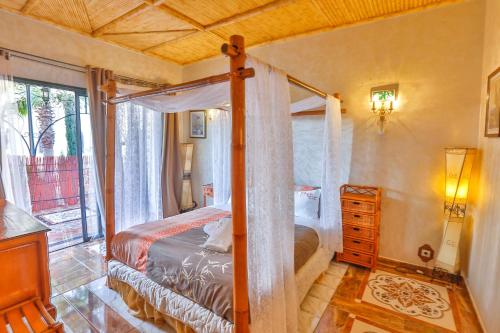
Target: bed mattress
column 169, row 253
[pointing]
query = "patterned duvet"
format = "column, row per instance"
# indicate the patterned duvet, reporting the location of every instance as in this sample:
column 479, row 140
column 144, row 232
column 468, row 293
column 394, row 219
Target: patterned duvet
column 169, row 253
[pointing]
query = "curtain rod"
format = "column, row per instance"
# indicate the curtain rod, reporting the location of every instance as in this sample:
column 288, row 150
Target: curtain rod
column 77, row 68
column 306, row 86
column 173, row 89
column 215, row 79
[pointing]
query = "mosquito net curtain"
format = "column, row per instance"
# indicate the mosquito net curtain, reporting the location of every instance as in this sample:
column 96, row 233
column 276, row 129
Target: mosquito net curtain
column 269, row 158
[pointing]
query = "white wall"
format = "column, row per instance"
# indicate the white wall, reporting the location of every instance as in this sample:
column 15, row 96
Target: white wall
column 28, row 35
column 483, row 237
column 436, row 57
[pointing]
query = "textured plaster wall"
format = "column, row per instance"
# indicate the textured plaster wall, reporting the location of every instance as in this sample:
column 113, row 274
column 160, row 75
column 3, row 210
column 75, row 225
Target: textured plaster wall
column 27, row 35
column 436, row 58
column 482, row 268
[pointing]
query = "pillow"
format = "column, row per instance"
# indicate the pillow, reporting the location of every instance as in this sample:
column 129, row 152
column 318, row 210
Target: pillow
column 307, row 203
column 210, row 227
column 221, row 238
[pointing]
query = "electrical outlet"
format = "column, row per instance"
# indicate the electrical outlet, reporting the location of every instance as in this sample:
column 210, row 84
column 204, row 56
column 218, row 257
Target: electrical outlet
column 426, row 253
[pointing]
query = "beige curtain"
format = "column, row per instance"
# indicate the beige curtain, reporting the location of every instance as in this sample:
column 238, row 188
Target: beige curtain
column 171, row 173
column 95, row 78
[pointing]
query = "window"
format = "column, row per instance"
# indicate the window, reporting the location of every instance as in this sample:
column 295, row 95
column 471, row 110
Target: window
column 59, row 161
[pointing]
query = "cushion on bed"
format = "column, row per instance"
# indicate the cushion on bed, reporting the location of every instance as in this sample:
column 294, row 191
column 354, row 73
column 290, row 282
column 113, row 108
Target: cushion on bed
column 220, row 236
column 307, row 203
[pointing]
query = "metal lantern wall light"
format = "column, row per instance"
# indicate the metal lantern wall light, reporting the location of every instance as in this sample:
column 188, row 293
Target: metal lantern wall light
column 384, row 100
column 459, row 163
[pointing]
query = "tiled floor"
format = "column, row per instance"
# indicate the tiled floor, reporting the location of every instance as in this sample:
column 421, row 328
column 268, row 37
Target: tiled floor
column 76, row 266
column 85, row 304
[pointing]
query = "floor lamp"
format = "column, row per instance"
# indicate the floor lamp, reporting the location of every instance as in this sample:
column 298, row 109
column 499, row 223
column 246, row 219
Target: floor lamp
column 459, row 163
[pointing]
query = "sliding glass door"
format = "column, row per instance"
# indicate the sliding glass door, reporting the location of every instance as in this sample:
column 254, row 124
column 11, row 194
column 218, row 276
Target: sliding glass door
column 56, row 132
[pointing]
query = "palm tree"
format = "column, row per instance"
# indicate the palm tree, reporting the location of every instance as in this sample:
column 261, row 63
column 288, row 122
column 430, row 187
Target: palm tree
column 45, row 118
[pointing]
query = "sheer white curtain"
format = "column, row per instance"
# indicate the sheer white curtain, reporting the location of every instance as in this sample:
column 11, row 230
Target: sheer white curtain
column 269, row 158
column 13, row 166
column 221, row 156
column 333, row 176
column 138, row 165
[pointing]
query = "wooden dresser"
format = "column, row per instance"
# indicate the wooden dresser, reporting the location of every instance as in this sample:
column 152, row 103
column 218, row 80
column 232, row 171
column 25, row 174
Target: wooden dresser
column 24, row 259
column 360, row 224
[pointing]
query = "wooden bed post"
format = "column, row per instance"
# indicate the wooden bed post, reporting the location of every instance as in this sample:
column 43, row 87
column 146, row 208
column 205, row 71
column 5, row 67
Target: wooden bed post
column 109, row 185
column 236, row 51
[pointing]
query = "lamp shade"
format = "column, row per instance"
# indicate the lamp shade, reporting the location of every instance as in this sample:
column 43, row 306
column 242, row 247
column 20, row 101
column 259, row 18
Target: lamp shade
column 459, row 162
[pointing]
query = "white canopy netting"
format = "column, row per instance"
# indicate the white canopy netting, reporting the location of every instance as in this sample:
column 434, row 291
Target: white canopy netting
column 270, row 185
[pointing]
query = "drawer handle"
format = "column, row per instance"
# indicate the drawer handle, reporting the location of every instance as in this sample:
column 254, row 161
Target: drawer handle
column 355, row 228
column 356, row 241
column 356, row 203
column 357, row 216
column 355, row 254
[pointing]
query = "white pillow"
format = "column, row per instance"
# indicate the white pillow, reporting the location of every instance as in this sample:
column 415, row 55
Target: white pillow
column 221, row 238
column 210, row 227
column 307, row 203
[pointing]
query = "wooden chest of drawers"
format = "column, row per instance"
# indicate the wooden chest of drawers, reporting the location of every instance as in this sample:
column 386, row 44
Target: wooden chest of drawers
column 24, row 259
column 360, row 224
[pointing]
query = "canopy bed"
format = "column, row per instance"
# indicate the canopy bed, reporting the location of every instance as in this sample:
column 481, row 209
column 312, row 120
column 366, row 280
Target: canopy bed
column 151, row 264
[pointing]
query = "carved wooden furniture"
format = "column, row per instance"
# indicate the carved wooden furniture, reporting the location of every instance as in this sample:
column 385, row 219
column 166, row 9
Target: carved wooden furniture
column 360, row 224
column 208, row 191
column 24, row 259
column 29, row 316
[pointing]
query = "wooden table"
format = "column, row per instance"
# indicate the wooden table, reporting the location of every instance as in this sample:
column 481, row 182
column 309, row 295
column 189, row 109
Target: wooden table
column 24, row 259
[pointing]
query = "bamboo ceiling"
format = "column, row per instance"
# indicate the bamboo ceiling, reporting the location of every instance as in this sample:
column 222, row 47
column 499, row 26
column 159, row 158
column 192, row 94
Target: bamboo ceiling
column 185, row 31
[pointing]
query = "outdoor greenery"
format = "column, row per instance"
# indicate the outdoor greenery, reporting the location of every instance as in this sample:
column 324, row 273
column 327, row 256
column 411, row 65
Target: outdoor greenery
column 67, row 99
column 44, row 114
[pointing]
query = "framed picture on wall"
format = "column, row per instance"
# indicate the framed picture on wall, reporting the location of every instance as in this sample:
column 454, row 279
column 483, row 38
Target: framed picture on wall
column 198, row 124
column 492, row 127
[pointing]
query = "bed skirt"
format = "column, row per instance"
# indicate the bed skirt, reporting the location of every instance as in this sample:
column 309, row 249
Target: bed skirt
column 140, row 308
column 149, row 300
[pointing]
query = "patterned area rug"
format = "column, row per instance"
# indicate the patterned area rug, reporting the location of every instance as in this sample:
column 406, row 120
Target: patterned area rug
column 416, row 299
column 319, row 296
column 62, row 216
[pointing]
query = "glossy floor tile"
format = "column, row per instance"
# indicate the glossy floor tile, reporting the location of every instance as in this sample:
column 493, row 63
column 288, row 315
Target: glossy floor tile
column 75, row 266
column 85, row 304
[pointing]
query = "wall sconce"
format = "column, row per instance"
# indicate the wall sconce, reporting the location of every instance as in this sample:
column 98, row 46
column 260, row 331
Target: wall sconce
column 384, row 100
column 459, row 163
column 211, row 114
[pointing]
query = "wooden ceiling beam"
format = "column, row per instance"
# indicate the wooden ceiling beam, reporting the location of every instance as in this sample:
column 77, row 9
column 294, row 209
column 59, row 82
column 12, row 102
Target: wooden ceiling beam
column 143, row 7
column 131, row 33
column 178, row 15
column 172, row 12
column 160, row 5
column 210, row 27
column 83, row 33
column 248, row 14
column 29, row 5
column 150, row 49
